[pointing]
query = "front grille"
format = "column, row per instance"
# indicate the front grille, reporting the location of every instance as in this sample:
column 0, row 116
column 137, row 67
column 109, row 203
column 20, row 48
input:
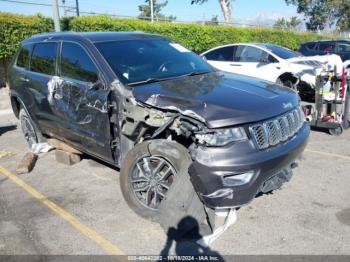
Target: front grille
column 274, row 131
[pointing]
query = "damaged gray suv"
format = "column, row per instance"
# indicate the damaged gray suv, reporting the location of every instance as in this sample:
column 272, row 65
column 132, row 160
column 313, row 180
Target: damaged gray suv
column 161, row 114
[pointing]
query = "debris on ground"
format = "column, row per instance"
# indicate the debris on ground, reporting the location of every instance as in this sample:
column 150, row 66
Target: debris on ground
column 62, row 146
column 67, row 158
column 223, row 220
column 27, row 164
column 39, row 148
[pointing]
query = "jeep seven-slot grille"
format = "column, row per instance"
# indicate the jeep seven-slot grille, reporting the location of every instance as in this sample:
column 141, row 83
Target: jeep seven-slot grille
column 277, row 130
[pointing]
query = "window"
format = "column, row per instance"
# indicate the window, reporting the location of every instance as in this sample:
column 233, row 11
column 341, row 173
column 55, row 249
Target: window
column 76, row 64
column 139, row 60
column 23, row 57
column 224, row 54
column 326, row 47
column 342, row 48
column 251, row 55
column 311, row 46
column 44, row 58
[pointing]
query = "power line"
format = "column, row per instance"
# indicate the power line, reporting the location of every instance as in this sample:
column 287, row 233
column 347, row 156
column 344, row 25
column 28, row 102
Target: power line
column 33, row 3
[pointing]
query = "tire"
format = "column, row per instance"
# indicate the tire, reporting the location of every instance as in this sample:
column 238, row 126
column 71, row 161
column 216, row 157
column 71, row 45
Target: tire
column 336, row 131
column 30, row 131
column 151, row 154
column 286, row 83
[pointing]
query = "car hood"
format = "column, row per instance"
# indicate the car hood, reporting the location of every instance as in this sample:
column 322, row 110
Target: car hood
column 219, row 99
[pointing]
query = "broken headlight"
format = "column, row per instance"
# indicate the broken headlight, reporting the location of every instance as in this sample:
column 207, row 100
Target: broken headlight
column 222, row 137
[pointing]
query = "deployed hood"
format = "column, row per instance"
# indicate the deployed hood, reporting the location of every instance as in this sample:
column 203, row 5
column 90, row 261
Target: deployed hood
column 219, row 99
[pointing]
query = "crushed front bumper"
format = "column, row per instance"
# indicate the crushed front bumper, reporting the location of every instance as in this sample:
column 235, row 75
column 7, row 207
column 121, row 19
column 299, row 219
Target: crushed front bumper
column 266, row 169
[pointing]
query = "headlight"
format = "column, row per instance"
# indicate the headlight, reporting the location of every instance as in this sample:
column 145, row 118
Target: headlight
column 222, row 137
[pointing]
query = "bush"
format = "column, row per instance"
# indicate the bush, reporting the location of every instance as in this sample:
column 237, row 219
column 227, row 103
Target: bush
column 198, row 38
column 15, row 28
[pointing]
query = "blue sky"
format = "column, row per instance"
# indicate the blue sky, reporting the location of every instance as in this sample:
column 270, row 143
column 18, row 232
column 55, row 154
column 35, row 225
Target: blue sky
column 245, row 11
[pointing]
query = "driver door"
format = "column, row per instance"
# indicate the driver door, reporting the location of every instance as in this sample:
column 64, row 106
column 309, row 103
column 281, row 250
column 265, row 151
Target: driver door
column 255, row 62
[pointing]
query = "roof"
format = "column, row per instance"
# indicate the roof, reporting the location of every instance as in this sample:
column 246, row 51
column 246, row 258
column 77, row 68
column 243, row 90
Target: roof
column 91, row 36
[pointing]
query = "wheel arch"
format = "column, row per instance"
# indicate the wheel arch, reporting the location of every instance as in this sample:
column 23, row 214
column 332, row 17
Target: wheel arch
column 288, row 76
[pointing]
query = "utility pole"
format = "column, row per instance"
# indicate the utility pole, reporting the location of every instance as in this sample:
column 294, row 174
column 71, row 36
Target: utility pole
column 56, row 15
column 77, row 6
column 152, row 15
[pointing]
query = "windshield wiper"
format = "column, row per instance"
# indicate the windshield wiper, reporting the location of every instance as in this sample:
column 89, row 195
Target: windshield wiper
column 147, row 81
column 153, row 79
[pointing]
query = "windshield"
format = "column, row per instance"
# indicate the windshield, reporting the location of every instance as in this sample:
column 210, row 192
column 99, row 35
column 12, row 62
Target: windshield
column 282, row 52
column 143, row 60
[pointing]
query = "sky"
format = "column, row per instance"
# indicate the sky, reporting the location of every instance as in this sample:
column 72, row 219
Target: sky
column 244, row 11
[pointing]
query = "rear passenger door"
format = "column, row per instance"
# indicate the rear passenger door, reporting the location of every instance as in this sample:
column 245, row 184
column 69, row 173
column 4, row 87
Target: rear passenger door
column 80, row 99
column 42, row 69
column 222, row 58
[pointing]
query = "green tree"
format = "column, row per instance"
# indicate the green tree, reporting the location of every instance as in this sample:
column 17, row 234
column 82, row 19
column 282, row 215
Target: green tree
column 323, row 13
column 226, row 8
column 292, row 24
column 157, row 8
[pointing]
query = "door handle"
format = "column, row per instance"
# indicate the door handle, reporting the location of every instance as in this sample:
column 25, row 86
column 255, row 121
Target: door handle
column 235, row 65
column 24, row 79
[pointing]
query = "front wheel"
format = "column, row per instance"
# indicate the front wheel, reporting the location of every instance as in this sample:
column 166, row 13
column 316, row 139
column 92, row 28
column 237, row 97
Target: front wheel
column 148, row 172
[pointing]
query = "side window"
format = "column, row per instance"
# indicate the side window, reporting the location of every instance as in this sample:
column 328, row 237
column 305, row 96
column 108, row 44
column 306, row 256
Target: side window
column 224, row 54
column 251, row 54
column 343, row 48
column 76, row 64
column 23, row 57
column 310, row 46
column 326, row 47
column 44, row 58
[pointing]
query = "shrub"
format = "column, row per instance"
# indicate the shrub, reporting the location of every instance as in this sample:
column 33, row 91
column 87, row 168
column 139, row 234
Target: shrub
column 195, row 37
column 15, row 28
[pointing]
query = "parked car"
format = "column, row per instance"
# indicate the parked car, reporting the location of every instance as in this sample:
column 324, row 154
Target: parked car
column 269, row 62
column 148, row 105
column 338, row 47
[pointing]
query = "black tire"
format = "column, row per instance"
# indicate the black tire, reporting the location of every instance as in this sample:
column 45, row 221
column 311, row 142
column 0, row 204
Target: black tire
column 31, row 133
column 336, row 131
column 174, row 155
column 286, row 83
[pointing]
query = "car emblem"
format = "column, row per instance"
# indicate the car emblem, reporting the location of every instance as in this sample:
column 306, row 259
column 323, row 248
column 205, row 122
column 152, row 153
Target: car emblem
column 287, row 105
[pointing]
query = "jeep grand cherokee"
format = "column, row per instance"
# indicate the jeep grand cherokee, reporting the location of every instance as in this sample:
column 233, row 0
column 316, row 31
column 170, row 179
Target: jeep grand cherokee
column 153, row 108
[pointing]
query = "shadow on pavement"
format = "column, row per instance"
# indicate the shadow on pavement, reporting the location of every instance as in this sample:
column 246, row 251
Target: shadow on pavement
column 4, row 129
column 186, row 243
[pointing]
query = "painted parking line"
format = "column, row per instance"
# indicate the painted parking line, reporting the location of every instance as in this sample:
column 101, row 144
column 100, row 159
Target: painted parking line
column 105, row 244
column 328, row 154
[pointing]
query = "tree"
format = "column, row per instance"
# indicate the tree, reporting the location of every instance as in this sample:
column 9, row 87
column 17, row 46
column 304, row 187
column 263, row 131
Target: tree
column 157, row 8
column 292, row 24
column 226, row 8
column 323, row 13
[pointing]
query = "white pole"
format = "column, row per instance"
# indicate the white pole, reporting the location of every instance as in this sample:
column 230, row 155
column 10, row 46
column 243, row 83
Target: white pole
column 56, row 15
column 152, row 15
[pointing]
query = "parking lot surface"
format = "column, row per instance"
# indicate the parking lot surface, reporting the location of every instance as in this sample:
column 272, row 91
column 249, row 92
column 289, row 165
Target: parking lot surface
column 79, row 209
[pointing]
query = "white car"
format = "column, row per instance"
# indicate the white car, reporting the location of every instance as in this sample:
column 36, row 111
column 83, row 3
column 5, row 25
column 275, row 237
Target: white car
column 272, row 63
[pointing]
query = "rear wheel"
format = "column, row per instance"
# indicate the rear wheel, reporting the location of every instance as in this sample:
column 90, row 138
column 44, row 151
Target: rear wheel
column 336, row 131
column 31, row 133
column 287, row 83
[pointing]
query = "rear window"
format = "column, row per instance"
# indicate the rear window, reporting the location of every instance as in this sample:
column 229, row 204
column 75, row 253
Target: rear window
column 23, row 57
column 44, row 58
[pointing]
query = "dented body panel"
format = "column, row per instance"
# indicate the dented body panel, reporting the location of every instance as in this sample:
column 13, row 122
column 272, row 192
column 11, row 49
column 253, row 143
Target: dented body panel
column 108, row 117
